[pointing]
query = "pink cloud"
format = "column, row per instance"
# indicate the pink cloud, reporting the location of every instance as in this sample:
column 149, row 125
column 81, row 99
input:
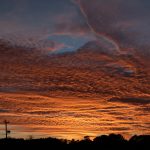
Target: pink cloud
column 56, row 47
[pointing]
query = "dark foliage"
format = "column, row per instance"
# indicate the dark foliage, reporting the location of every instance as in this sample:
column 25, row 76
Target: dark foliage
column 112, row 141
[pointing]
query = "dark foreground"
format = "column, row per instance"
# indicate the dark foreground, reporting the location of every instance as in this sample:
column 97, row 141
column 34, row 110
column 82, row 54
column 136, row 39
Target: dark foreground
column 111, row 141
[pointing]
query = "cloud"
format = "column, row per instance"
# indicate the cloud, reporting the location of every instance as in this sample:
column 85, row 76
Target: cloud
column 56, row 48
column 30, row 23
column 132, row 100
column 123, row 23
column 72, row 27
column 31, row 29
column 48, row 15
column 3, row 110
column 73, row 23
column 126, row 22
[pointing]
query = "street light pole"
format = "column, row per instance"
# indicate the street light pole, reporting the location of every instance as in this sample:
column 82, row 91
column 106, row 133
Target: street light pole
column 6, row 129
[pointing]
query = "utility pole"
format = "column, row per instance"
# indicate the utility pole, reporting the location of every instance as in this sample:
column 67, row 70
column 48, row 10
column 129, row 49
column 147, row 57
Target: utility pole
column 6, row 128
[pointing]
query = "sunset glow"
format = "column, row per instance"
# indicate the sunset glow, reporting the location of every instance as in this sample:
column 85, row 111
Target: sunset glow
column 74, row 68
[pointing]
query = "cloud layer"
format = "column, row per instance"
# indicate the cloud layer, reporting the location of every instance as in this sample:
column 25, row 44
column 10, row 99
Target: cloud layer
column 122, row 23
column 126, row 22
column 110, row 44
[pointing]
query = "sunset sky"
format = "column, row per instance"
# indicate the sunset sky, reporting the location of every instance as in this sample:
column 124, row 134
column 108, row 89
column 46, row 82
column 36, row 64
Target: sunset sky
column 70, row 68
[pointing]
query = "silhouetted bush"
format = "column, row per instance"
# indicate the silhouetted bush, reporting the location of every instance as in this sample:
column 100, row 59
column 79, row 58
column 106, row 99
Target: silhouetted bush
column 113, row 141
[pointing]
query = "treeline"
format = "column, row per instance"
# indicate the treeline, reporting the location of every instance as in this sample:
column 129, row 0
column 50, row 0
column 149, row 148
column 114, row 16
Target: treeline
column 112, row 141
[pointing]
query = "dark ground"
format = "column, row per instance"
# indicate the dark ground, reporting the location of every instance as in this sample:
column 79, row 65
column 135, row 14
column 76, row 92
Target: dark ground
column 103, row 142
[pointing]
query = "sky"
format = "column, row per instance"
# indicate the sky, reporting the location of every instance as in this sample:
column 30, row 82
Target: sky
column 60, row 21
column 124, row 23
column 71, row 68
